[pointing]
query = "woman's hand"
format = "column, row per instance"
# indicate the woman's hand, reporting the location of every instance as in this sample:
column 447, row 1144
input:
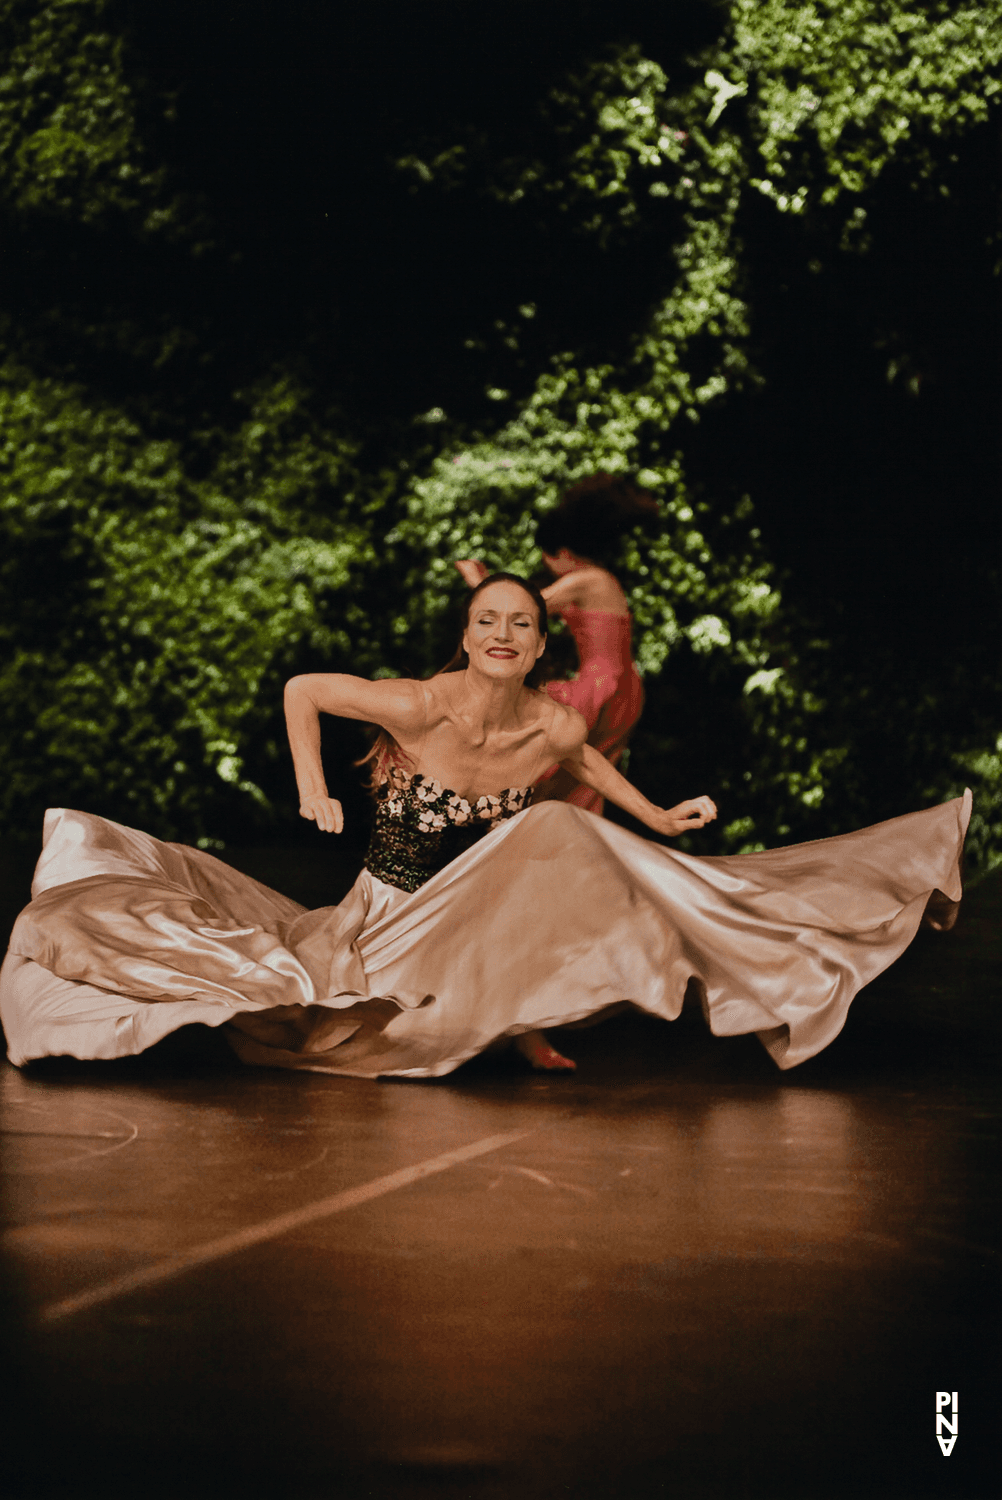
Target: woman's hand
column 472, row 572
column 324, row 811
column 695, row 813
column 583, row 761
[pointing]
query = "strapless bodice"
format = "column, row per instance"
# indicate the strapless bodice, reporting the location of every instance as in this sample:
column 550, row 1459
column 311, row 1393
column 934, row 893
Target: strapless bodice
column 421, row 826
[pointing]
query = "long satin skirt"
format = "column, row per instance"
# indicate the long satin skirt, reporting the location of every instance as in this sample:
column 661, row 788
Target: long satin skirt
column 553, row 918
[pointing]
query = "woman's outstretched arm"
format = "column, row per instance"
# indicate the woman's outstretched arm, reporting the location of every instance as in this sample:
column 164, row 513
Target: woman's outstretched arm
column 394, row 705
column 594, row 770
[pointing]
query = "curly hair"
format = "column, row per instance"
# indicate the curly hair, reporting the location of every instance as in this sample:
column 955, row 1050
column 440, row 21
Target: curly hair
column 593, row 516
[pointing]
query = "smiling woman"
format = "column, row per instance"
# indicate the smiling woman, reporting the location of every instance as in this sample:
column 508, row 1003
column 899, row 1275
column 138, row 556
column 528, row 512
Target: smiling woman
column 472, row 741
column 476, row 918
column 607, row 690
column 524, row 604
column 503, row 628
column 477, row 725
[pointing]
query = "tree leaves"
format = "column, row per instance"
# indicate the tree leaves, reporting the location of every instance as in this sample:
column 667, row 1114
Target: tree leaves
column 269, row 460
column 147, row 649
column 70, row 144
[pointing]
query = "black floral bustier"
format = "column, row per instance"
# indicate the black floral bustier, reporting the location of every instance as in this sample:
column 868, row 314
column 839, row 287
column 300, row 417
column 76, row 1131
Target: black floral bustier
column 421, row 826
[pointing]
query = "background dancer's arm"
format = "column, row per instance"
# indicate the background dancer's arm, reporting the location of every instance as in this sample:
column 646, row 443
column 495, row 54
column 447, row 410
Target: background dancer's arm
column 393, row 705
column 472, row 572
column 594, row 770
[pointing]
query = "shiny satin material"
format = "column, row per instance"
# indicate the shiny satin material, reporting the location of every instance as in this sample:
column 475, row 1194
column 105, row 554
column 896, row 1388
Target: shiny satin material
column 552, row 918
column 607, row 692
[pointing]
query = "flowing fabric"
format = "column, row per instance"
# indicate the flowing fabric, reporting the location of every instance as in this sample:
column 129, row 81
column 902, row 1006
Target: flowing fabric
column 555, row 916
column 607, row 692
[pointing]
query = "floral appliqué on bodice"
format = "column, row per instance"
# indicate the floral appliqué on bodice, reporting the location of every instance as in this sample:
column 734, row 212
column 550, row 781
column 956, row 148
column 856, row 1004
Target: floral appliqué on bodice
column 421, row 826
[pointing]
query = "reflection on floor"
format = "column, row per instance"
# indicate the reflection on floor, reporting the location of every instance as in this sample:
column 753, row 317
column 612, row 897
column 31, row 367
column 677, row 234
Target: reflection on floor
column 678, row 1273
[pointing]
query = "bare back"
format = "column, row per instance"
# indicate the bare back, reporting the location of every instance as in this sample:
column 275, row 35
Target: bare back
column 590, row 588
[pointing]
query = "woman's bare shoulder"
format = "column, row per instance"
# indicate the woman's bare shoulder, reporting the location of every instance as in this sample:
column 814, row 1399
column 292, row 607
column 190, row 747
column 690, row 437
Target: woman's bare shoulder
column 590, row 587
column 565, row 728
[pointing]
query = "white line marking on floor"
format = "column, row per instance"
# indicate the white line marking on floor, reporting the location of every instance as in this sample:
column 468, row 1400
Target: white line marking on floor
column 551, row 1182
column 269, row 1229
column 535, row 1176
column 86, row 1155
column 314, row 1161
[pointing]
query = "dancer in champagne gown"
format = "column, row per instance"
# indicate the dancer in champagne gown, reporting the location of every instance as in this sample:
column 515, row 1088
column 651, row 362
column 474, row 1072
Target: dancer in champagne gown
column 590, row 522
column 476, row 917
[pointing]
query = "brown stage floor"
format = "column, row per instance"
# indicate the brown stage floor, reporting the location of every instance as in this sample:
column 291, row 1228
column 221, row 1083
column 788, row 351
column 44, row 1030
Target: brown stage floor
column 679, row 1273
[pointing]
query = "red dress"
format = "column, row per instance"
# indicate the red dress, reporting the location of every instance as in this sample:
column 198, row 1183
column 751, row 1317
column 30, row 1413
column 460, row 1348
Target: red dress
column 607, row 692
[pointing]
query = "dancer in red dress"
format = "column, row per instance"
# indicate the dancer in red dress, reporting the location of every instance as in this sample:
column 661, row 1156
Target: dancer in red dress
column 607, row 691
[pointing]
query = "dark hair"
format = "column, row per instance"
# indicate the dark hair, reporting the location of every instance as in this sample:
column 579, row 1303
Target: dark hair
column 385, row 750
column 593, row 515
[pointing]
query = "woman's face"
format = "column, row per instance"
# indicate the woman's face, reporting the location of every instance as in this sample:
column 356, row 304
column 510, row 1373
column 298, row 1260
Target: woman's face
column 502, row 638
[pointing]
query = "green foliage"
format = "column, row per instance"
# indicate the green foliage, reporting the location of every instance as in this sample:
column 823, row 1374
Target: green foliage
column 596, row 127
column 69, row 142
column 826, row 97
column 707, row 613
column 150, row 617
column 857, row 82
column 981, row 770
column 718, row 608
column 158, row 591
